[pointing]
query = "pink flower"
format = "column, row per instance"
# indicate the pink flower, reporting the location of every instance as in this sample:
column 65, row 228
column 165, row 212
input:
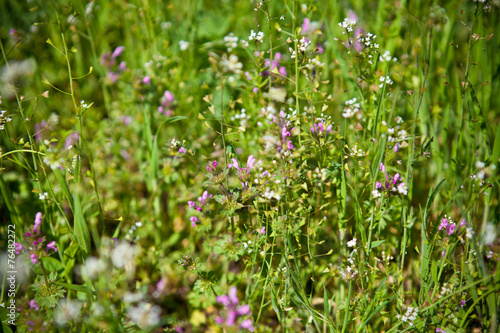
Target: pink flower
column 230, row 301
column 396, row 178
column 263, row 230
column 34, row 259
column 38, row 220
column 117, row 52
column 33, row 305
column 182, row 150
column 146, row 80
column 52, row 246
column 450, row 229
column 71, row 140
column 193, row 220
column 19, row 248
column 444, row 224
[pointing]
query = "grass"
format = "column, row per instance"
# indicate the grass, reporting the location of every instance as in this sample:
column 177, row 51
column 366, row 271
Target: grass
column 302, row 180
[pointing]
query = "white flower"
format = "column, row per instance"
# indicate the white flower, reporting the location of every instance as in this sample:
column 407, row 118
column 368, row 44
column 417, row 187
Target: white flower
column 145, row 314
column 352, row 243
column 93, row 267
column 183, row 45
column 403, row 189
column 489, row 234
column 258, row 37
column 123, row 255
column 68, row 310
column 376, row 194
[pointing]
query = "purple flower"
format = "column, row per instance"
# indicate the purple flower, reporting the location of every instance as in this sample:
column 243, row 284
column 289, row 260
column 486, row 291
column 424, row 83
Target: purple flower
column 230, row 301
column 122, row 67
column 444, row 224
column 146, row 80
column 212, row 166
column 19, row 247
column 450, row 228
column 378, row 185
column 71, row 140
column 52, row 246
column 250, row 163
column 396, row 178
column 34, row 259
column 33, row 305
column 193, row 220
column 463, row 223
column 263, row 230
column 438, row 330
column 247, row 325
column 182, row 150
column 117, row 52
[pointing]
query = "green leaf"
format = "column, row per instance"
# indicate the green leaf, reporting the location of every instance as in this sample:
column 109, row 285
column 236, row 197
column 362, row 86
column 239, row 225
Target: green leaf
column 81, row 230
column 377, row 243
column 76, row 287
column 64, row 186
column 71, row 249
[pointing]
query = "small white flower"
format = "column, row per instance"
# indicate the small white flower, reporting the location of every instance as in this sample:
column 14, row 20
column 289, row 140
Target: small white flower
column 183, row 45
column 376, row 194
column 352, row 243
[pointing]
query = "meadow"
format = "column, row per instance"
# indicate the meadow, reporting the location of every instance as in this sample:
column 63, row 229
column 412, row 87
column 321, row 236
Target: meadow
column 249, row 166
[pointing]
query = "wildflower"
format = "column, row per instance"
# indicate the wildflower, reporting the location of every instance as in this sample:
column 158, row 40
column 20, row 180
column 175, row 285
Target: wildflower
column 71, row 140
column 410, row 316
column 263, row 230
column 123, row 255
column 194, row 220
column 275, row 64
column 469, row 233
column 352, row 243
column 52, row 246
column 231, row 42
column 182, row 150
column 348, row 24
column 34, row 259
column 117, row 52
column 444, row 224
column 376, row 194
column 489, row 234
column 145, row 314
column 439, row 330
column 230, row 302
column 258, row 37
column 93, row 267
column 69, row 310
column 183, row 45
column 147, row 80
column 33, row 305
column 450, row 229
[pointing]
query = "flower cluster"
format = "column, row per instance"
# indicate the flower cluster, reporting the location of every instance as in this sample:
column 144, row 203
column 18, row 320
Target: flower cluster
column 348, row 25
column 166, row 101
column 109, row 60
column 4, row 119
column 320, row 129
column 34, row 237
column 351, row 108
column 243, row 173
column 393, row 184
column 202, row 201
column 410, row 316
column 450, row 227
column 258, row 37
column 234, row 311
column 275, row 64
